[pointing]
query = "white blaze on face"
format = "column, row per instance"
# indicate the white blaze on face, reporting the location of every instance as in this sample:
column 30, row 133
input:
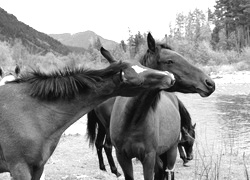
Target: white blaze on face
column 138, row 69
column 7, row 79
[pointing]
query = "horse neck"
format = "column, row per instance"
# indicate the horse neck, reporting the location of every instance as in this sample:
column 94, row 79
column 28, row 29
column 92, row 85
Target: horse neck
column 139, row 106
column 64, row 113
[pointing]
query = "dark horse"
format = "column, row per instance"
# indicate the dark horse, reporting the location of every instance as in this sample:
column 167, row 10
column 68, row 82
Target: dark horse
column 100, row 116
column 140, row 126
column 187, row 135
column 37, row 108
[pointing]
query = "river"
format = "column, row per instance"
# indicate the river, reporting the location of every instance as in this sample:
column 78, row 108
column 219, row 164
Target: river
column 223, row 119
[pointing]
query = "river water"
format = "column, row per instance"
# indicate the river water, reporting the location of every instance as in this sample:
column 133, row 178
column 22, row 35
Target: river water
column 222, row 119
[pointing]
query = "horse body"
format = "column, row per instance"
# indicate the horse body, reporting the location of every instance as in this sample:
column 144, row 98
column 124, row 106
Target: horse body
column 152, row 130
column 150, row 127
column 52, row 119
column 37, row 108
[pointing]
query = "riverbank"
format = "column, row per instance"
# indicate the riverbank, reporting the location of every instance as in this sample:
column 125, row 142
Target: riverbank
column 233, row 77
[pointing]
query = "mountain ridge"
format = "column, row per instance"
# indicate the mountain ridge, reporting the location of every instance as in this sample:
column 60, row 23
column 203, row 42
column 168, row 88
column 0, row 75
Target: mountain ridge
column 83, row 39
column 35, row 42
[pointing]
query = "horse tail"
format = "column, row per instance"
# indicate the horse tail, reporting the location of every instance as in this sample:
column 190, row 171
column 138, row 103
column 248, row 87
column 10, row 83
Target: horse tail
column 92, row 120
column 186, row 120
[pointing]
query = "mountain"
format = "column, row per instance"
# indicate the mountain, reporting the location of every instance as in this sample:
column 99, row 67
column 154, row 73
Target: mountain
column 83, row 39
column 33, row 40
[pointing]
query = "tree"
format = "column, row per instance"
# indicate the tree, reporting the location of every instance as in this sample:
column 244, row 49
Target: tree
column 135, row 42
column 180, row 25
column 234, row 18
column 123, row 46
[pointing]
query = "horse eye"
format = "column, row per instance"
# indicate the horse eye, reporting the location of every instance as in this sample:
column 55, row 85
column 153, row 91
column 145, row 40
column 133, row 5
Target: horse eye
column 169, row 62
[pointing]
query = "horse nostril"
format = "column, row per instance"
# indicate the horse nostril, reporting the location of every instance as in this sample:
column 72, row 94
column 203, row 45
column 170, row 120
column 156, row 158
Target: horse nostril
column 209, row 84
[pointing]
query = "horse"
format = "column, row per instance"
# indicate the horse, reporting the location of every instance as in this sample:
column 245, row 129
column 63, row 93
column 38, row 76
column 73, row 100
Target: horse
column 189, row 79
column 147, row 127
column 100, row 116
column 187, row 135
column 38, row 107
column 10, row 76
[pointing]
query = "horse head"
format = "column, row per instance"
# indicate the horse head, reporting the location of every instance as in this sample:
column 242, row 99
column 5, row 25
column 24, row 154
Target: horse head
column 138, row 77
column 189, row 79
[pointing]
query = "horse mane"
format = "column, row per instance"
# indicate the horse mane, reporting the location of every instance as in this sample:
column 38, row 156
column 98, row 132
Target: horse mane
column 147, row 60
column 186, row 120
column 66, row 83
column 138, row 111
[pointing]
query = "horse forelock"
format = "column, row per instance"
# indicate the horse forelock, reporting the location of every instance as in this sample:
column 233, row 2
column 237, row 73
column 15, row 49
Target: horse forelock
column 139, row 109
column 66, row 83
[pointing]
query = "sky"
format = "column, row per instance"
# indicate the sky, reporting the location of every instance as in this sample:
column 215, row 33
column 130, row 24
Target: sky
column 111, row 19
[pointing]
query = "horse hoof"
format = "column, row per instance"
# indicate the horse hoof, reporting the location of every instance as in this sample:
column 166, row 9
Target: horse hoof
column 103, row 169
column 185, row 164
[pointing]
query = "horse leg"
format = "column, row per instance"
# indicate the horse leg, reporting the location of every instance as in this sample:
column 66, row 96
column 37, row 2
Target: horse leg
column 37, row 173
column 182, row 154
column 20, row 171
column 159, row 171
column 126, row 165
column 99, row 145
column 168, row 159
column 148, row 164
column 108, row 150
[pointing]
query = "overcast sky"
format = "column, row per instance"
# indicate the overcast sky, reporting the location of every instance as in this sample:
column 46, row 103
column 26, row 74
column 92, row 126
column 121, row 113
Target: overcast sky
column 110, row 19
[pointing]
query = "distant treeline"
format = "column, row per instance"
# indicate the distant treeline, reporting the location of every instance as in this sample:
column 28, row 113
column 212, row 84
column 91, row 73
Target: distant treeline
column 216, row 41
column 221, row 37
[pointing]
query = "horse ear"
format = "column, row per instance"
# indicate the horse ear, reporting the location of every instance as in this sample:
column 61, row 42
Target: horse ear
column 151, row 42
column 194, row 125
column 17, row 70
column 1, row 72
column 107, row 55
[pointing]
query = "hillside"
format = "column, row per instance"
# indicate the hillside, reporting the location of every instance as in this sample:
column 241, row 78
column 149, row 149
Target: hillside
column 83, row 39
column 34, row 41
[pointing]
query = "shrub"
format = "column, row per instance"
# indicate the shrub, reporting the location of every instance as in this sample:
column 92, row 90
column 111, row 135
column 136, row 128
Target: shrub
column 245, row 55
column 243, row 66
column 5, row 55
